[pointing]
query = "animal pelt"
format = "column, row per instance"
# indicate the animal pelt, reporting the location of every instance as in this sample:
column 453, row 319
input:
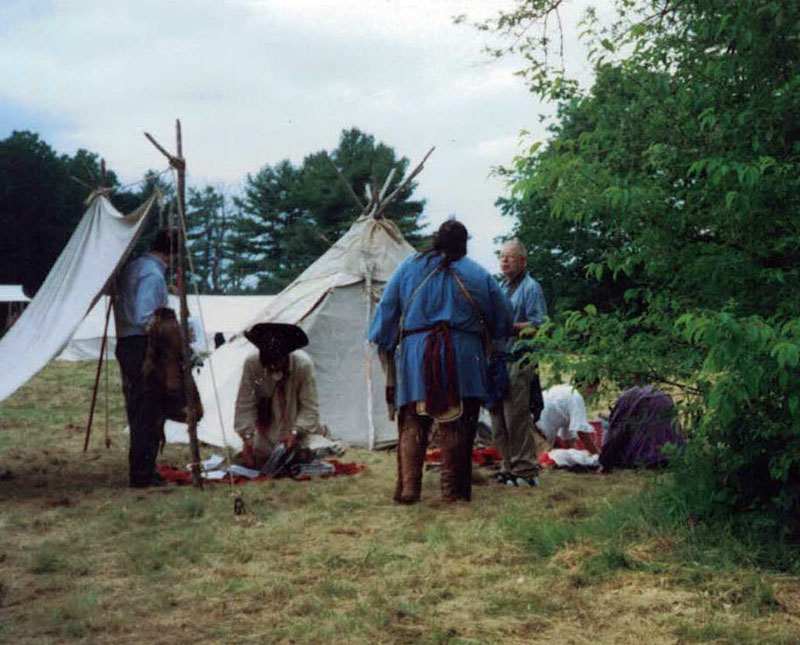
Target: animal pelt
column 163, row 367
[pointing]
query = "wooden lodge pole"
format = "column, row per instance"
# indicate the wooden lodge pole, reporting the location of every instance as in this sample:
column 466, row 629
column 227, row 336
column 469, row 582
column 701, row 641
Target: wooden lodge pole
column 191, row 410
column 97, row 380
column 105, row 333
column 112, row 292
column 178, row 162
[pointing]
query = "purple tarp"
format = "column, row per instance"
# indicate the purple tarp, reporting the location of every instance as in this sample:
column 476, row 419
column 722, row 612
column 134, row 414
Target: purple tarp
column 642, row 421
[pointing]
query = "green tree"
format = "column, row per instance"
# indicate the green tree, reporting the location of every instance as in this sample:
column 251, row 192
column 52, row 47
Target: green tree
column 263, row 232
column 291, row 215
column 684, row 154
column 40, row 204
column 209, row 212
column 559, row 251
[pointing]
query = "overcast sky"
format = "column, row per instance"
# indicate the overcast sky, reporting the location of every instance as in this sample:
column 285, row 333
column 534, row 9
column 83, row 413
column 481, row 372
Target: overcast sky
column 257, row 81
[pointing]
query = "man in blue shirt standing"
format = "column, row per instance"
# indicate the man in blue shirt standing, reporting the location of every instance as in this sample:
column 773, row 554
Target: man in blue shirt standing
column 437, row 314
column 141, row 289
column 512, row 426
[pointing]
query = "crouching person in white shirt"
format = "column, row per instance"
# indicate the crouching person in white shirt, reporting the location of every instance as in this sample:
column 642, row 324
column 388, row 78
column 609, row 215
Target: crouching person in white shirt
column 564, row 416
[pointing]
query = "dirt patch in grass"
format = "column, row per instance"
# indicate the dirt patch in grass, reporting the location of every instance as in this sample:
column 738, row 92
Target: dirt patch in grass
column 85, row 559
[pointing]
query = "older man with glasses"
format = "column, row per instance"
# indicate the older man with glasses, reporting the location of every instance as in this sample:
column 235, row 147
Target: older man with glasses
column 512, row 425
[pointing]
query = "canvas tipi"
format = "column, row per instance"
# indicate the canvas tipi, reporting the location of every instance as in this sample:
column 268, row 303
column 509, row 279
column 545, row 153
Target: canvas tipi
column 333, row 300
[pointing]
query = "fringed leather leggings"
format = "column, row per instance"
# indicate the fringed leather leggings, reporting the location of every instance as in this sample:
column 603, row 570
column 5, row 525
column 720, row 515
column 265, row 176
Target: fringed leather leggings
column 456, row 440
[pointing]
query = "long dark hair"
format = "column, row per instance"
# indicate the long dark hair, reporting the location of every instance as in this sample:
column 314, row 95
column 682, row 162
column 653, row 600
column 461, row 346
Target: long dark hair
column 449, row 242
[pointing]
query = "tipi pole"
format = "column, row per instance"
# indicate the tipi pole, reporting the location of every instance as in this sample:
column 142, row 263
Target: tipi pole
column 97, row 378
column 191, row 410
column 106, row 436
column 179, row 163
column 103, row 342
column 105, row 331
column 386, row 183
column 368, row 357
column 346, row 183
column 418, row 169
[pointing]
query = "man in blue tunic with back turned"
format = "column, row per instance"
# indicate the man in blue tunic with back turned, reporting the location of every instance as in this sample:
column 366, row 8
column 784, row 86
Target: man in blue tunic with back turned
column 436, row 319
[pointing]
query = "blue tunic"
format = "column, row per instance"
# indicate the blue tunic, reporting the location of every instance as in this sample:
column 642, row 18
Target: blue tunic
column 141, row 290
column 440, row 300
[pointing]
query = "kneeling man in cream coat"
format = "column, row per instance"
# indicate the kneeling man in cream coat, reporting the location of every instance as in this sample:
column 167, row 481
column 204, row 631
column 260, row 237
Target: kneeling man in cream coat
column 277, row 399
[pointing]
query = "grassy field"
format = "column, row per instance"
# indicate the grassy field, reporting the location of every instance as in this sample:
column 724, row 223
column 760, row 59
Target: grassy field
column 85, row 559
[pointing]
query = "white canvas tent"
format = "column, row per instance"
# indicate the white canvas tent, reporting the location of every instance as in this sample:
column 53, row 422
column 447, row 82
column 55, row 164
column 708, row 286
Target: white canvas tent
column 12, row 293
column 225, row 314
column 333, row 300
column 99, row 244
column 12, row 303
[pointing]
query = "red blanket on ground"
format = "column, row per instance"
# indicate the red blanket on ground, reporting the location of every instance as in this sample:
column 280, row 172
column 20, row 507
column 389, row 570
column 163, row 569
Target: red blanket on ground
column 544, row 460
column 179, row 475
column 480, row 456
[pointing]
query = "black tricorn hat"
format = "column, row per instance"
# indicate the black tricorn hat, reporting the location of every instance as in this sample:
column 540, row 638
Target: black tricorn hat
column 275, row 340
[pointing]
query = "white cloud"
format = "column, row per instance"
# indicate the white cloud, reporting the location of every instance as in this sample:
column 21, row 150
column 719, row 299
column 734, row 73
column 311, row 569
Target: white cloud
column 256, row 81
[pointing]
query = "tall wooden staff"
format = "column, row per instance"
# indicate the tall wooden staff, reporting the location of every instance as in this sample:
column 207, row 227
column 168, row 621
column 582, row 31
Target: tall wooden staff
column 108, row 288
column 179, row 163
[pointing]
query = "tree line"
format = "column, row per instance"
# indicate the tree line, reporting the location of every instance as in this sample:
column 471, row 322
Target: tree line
column 662, row 218
column 253, row 240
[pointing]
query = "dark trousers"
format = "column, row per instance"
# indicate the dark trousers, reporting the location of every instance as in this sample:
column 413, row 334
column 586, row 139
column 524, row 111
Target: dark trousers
column 144, row 417
column 456, row 444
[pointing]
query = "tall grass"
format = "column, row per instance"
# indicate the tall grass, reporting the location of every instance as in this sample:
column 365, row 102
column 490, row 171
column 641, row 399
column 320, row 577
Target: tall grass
column 659, row 515
column 85, row 559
